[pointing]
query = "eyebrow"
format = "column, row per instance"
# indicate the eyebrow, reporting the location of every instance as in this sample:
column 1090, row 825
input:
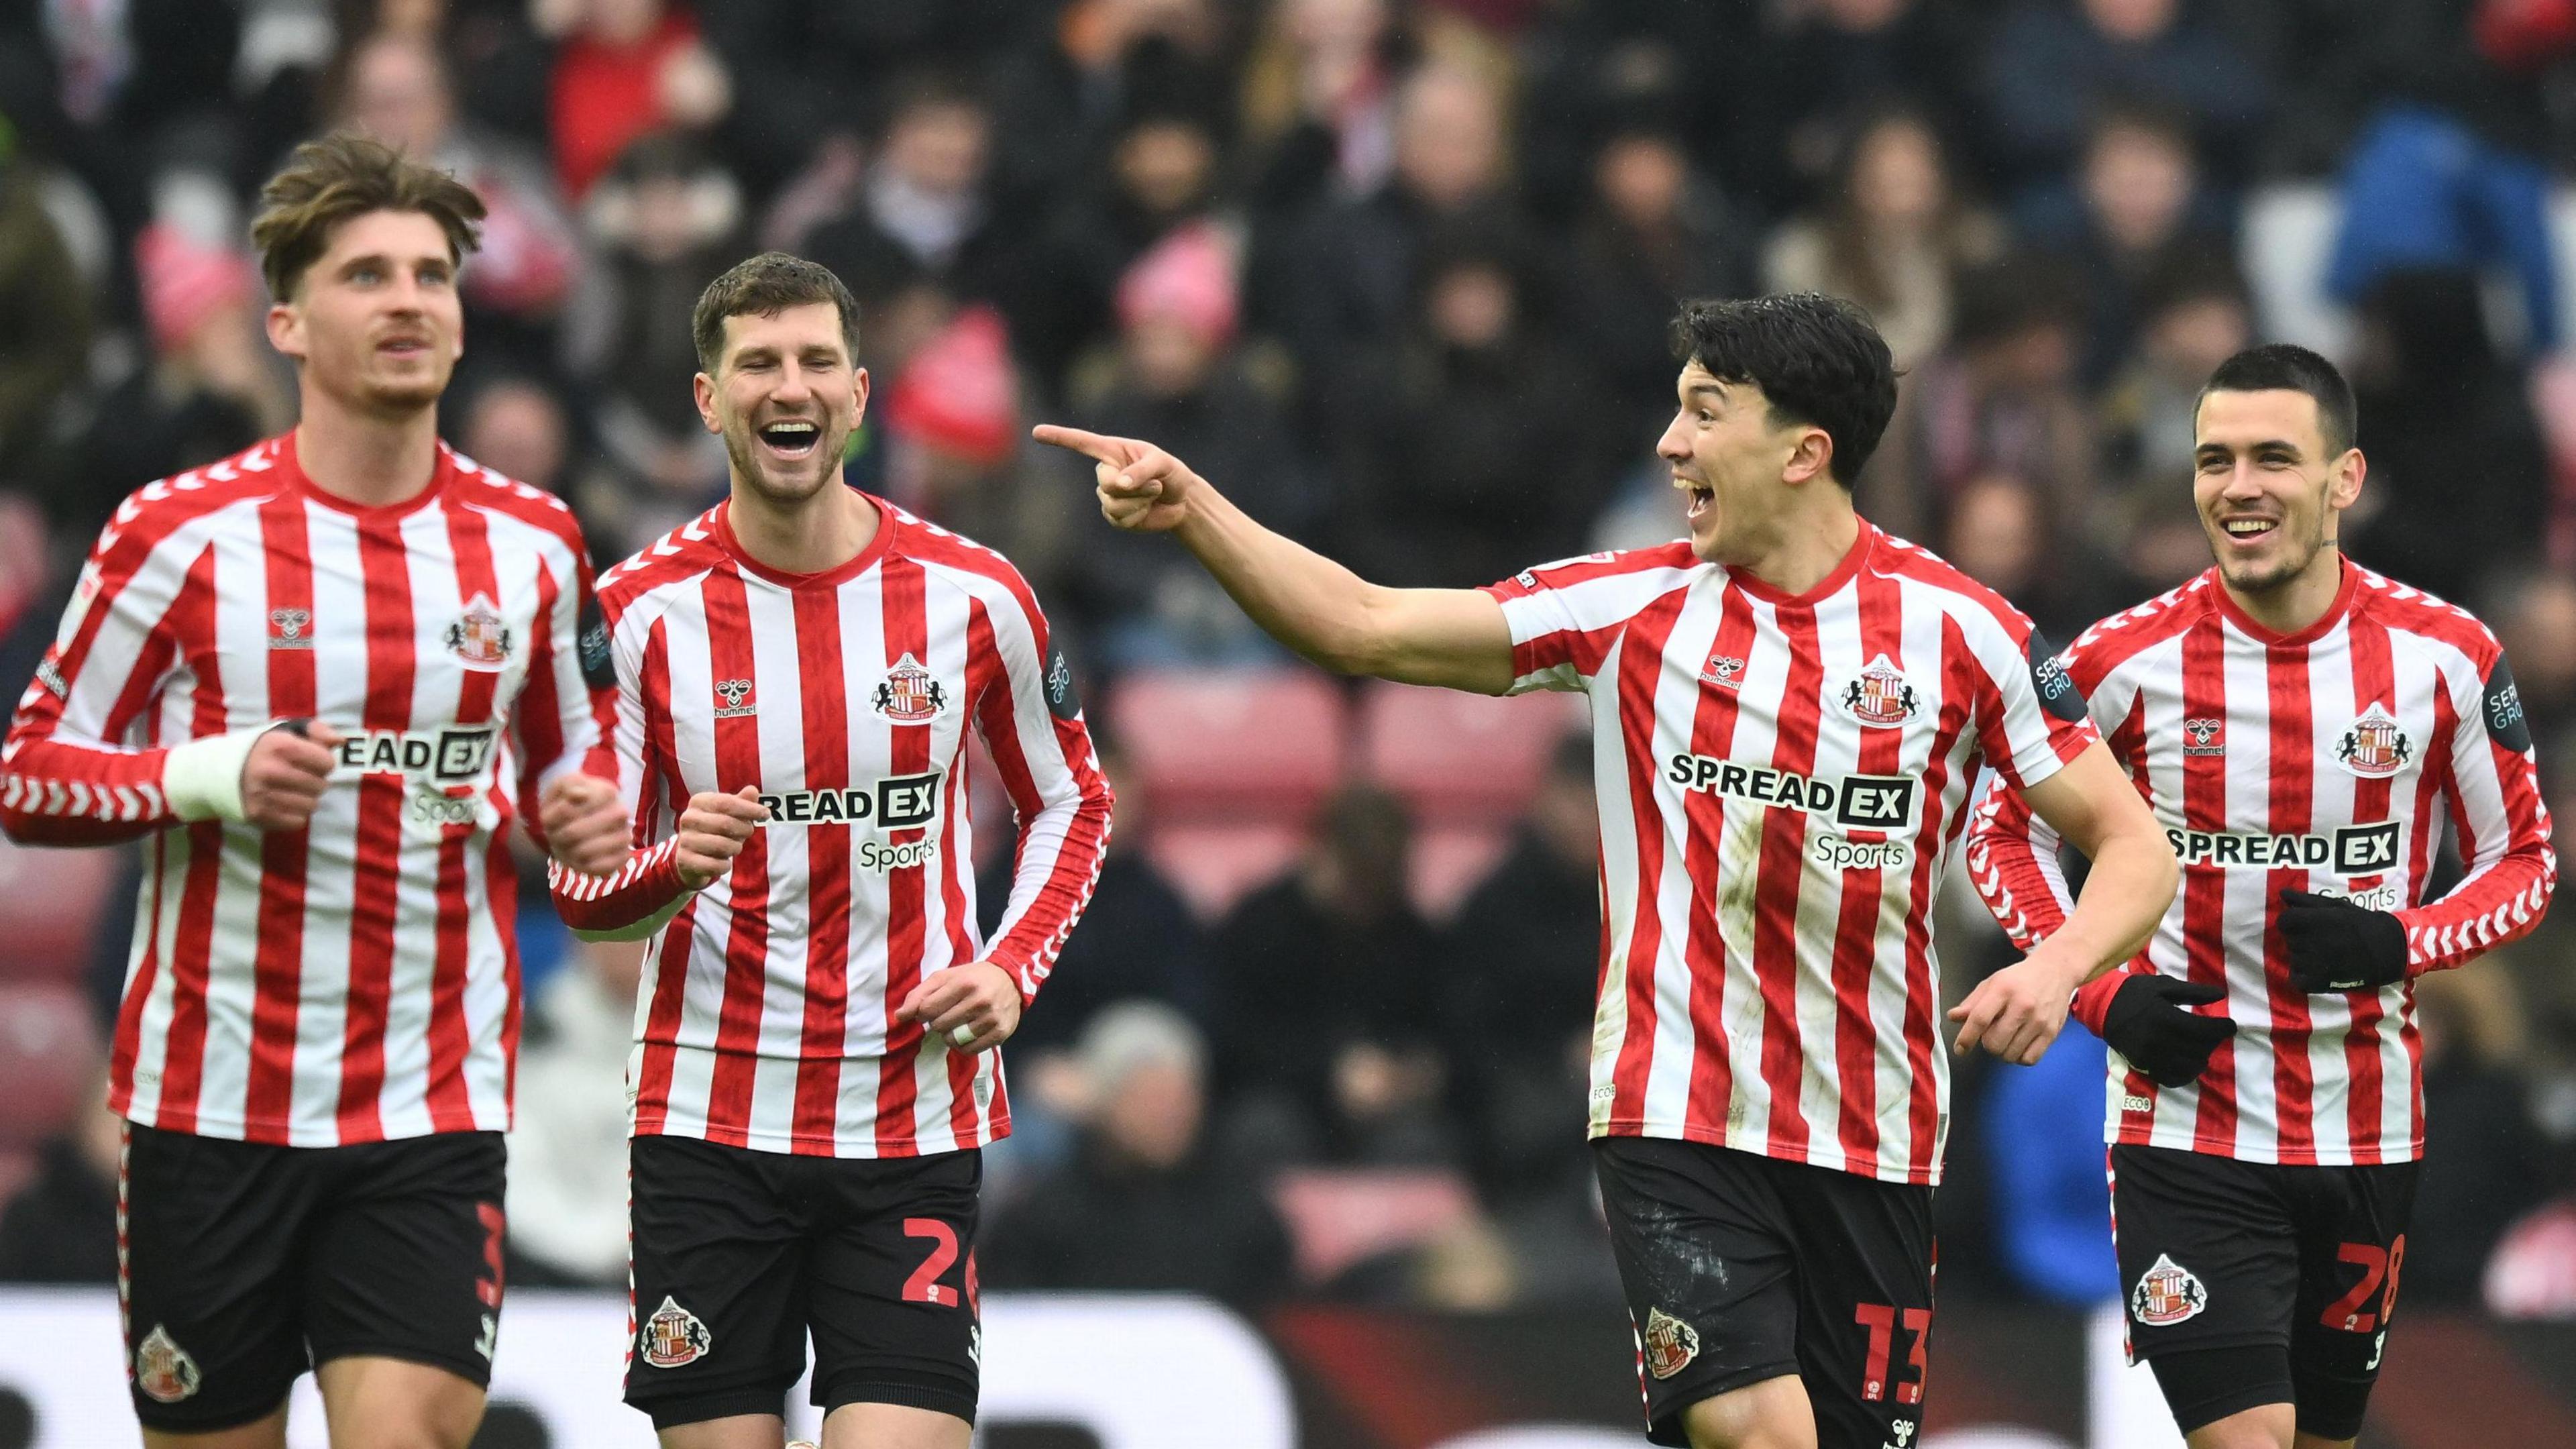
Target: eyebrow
column 2257, row 446
column 1715, row 389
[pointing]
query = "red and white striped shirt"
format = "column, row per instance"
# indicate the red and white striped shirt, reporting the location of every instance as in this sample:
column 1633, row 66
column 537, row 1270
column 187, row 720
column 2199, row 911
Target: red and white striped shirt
column 765, row 1018
column 356, row 980
column 2322, row 761
column 1780, row 781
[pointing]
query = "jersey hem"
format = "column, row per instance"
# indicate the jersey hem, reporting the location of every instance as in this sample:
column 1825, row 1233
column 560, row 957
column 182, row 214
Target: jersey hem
column 792, row 1145
column 2206, row 1147
column 1909, row 1177
column 282, row 1134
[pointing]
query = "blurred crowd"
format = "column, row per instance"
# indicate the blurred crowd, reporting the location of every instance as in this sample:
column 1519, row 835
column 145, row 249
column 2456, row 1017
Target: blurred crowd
column 1394, row 274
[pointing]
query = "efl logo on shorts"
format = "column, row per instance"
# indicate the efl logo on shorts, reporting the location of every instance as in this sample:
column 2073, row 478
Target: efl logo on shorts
column 2167, row 1294
column 162, row 1368
column 1670, row 1344
column 673, row 1337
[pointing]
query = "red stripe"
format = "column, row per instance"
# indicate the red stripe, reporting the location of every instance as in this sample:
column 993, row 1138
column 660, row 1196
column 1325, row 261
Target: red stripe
column 183, row 1056
column 501, row 898
column 1713, row 721
column 823, row 686
column 671, row 970
column 1641, row 668
column 1778, row 883
column 138, row 991
column 2374, row 676
column 451, row 1104
column 1880, row 608
column 2291, row 717
column 746, row 975
column 2204, row 890
column 902, row 588
column 277, row 963
column 2128, row 744
column 1962, row 678
column 392, row 639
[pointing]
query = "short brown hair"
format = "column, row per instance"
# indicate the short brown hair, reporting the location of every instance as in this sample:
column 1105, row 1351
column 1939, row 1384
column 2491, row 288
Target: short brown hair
column 765, row 286
column 341, row 177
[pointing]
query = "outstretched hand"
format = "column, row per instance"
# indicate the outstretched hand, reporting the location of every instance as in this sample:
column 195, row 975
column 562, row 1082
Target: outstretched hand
column 1141, row 487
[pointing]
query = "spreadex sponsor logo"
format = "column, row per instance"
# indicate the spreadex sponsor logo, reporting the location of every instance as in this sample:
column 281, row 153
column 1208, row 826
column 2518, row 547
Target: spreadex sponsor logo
column 897, row 802
column 456, row 753
column 1858, row 802
column 2351, row 850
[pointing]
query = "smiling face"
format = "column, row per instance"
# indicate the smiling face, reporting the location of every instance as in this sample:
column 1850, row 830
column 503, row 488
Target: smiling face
column 2269, row 490
column 374, row 322
column 1736, row 461
column 785, row 396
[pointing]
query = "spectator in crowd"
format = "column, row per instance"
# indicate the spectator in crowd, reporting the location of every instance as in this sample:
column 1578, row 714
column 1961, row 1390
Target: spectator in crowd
column 1319, row 101
column 1655, row 231
column 2136, row 205
column 923, row 209
column 666, row 221
column 624, row 69
column 2042, row 1131
column 2535, row 620
column 1892, row 233
column 2456, row 459
column 1177, row 372
column 567, row 1194
column 1328, row 992
column 1143, row 1207
column 398, row 90
column 1061, row 90
column 2193, row 314
column 61, row 1226
column 2483, row 1169
column 44, row 317
column 1829, row 53
column 2004, row 534
column 212, row 387
column 1471, row 444
column 2051, row 67
column 2001, row 398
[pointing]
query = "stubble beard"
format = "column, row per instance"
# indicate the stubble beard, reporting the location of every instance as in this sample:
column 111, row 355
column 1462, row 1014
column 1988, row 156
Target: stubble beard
column 2263, row 581
column 742, row 449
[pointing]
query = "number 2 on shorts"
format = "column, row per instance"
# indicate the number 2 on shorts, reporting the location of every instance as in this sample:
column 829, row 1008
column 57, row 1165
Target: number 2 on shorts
column 924, row 1286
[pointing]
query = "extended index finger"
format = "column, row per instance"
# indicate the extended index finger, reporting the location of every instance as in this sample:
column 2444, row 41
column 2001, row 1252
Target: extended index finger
column 1116, row 452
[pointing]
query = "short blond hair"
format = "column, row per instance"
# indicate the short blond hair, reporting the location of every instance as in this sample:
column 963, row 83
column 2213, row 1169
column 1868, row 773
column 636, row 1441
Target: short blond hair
column 341, row 177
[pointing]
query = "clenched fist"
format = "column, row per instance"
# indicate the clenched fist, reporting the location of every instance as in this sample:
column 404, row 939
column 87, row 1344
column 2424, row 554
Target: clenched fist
column 585, row 824
column 1141, row 487
column 713, row 830
column 978, row 997
column 283, row 778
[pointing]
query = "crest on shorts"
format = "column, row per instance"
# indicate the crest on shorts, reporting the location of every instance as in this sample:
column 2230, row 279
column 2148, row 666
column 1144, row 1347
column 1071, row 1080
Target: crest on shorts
column 162, row 1368
column 2204, row 737
column 673, row 1337
column 909, row 694
column 735, row 695
column 1723, row 670
column 1880, row 695
column 2373, row 746
column 2167, row 1294
column 480, row 636
column 290, row 628
column 1668, row 1343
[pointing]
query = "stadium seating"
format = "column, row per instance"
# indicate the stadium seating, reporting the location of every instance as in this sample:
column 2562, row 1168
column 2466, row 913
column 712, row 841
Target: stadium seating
column 1214, row 865
column 1460, row 758
column 1224, row 746
column 49, row 1059
column 56, row 898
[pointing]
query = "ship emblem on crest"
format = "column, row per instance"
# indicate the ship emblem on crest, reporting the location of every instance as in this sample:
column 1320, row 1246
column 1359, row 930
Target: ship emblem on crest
column 480, row 636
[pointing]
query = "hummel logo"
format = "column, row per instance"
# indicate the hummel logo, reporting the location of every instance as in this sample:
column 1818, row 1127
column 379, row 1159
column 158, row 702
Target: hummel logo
column 736, row 694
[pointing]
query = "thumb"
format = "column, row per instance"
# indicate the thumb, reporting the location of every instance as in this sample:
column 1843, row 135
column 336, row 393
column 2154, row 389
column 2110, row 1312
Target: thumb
column 322, row 734
column 2195, row 993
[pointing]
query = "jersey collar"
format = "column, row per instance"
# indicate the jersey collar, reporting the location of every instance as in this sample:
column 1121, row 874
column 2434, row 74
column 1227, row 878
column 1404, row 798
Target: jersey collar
column 442, row 473
column 1825, row 588
column 866, row 558
column 2325, row 622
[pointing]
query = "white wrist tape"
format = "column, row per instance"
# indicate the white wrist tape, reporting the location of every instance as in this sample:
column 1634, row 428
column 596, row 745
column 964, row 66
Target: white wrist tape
column 203, row 778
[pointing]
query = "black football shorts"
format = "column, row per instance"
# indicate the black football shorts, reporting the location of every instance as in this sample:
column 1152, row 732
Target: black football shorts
column 1740, row 1268
column 2220, row 1254
column 738, row 1255
column 246, row 1263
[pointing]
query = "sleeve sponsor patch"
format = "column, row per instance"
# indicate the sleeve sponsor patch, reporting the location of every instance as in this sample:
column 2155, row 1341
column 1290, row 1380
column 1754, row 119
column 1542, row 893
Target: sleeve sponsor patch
column 598, row 660
column 1060, row 697
column 2055, row 687
column 2507, row 725
column 50, row 675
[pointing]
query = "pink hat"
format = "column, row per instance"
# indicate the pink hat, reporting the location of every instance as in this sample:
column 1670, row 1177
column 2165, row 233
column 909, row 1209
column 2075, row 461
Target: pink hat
column 1187, row 277
column 958, row 394
column 184, row 282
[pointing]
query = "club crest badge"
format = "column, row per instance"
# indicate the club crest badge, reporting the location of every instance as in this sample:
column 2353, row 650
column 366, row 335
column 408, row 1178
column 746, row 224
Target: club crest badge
column 1880, row 695
column 2374, row 746
column 290, row 628
column 2204, row 737
column 1669, row 1344
column 1723, row 670
column 909, row 694
column 734, row 699
column 162, row 1369
column 673, row 1337
column 480, row 636
column 2167, row 1294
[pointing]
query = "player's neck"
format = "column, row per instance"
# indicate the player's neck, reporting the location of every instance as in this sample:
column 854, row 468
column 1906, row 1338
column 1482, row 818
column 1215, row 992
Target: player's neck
column 368, row 460
column 1812, row 543
column 2295, row 603
column 813, row 535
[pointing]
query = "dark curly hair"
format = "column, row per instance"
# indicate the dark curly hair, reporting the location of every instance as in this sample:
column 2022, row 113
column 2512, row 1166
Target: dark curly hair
column 1818, row 360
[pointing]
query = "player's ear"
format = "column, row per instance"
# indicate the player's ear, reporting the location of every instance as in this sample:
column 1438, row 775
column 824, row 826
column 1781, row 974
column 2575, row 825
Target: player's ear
column 2344, row 479
column 859, row 387
column 703, row 388
column 1811, row 457
column 286, row 329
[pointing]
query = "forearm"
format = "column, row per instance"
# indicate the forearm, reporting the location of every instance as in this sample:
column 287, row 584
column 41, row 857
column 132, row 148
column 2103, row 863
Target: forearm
column 1304, row 600
column 58, row 792
column 2131, row 885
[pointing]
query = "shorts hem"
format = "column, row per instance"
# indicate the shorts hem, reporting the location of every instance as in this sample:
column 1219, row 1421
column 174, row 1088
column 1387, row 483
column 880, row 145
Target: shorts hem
column 2201, row 1416
column 473, row 1370
column 940, row 1398
column 2193, row 1343
column 680, row 1410
column 154, row 1415
column 1667, row 1427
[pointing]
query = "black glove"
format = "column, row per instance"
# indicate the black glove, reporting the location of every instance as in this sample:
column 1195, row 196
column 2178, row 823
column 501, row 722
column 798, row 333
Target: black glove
column 2150, row 1022
column 2334, row 945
